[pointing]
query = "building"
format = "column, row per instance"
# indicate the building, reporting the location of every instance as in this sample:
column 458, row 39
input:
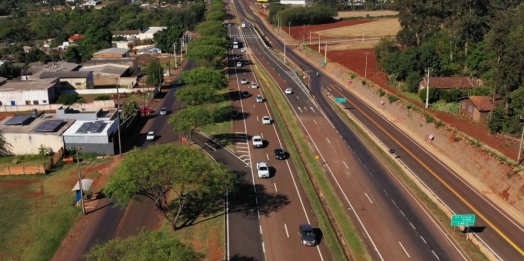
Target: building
column 3, row 81
column 35, row 69
column 121, row 44
column 27, row 134
column 107, row 74
column 42, row 91
column 148, row 50
column 448, row 83
column 75, row 37
column 127, row 34
column 75, row 80
column 477, row 108
column 94, row 131
column 150, row 32
column 111, row 53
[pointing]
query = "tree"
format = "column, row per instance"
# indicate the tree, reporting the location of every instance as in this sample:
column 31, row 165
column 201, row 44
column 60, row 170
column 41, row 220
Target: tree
column 96, row 38
column 206, row 55
column 166, row 38
column 188, row 120
column 5, row 147
column 73, row 55
column 196, row 95
column 67, row 99
column 8, row 70
column 216, row 16
column 211, row 40
column 202, row 75
column 128, row 110
column 211, row 28
column 147, row 245
column 155, row 73
column 159, row 170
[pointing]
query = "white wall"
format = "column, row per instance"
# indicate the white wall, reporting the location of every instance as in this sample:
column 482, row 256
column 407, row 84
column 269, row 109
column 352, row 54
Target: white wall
column 29, row 143
column 108, row 91
column 53, row 107
column 20, row 97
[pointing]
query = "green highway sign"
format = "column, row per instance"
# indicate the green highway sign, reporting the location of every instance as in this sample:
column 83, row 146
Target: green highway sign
column 463, row 220
column 340, row 100
column 323, row 63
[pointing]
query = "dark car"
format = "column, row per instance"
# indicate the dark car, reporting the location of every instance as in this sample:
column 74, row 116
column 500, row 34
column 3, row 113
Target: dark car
column 307, row 236
column 246, row 94
column 234, row 113
column 280, row 154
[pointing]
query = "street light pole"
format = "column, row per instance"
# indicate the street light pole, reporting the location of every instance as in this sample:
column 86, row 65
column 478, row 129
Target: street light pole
column 318, row 43
column 427, row 89
column 325, row 54
column 284, row 53
column 80, row 181
column 118, row 116
column 366, row 69
column 174, row 52
column 289, row 28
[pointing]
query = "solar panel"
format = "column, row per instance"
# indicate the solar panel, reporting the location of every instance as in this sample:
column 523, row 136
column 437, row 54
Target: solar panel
column 19, row 120
column 97, row 127
column 84, row 127
column 48, row 126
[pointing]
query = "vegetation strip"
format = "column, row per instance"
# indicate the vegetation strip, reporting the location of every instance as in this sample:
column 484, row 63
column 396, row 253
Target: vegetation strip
column 335, row 207
column 471, row 250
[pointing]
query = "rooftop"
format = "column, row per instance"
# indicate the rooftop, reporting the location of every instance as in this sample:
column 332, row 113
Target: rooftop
column 76, row 37
column 153, row 29
column 45, row 123
column 112, row 50
column 450, row 82
column 64, row 74
column 110, row 68
column 40, row 84
column 482, row 103
column 126, row 32
column 35, row 69
column 91, row 128
column 2, row 79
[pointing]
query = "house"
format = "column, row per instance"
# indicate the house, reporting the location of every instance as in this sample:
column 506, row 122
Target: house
column 3, row 81
column 35, row 69
column 151, row 49
column 75, row 37
column 448, row 83
column 77, row 80
column 128, row 34
column 109, row 74
column 150, row 32
column 129, row 61
column 26, row 134
column 95, row 131
column 477, row 108
column 121, row 44
column 42, row 91
column 111, row 53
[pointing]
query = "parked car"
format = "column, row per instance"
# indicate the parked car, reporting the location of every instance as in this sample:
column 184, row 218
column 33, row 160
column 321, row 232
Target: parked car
column 150, row 136
column 280, row 154
column 146, row 110
column 266, row 120
column 163, row 111
column 288, row 91
column 254, row 85
column 243, row 81
column 263, row 170
column 307, row 236
column 260, row 98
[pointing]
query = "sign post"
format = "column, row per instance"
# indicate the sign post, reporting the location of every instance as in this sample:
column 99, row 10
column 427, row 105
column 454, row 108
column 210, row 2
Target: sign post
column 463, row 220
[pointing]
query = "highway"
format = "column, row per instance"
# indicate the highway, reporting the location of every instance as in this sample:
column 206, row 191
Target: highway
column 498, row 231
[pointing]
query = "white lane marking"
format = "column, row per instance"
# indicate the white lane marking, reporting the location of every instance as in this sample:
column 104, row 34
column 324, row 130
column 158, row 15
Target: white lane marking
column 262, row 135
column 386, row 192
column 275, row 184
column 315, row 122
column 402, row 213
column 368, row 197
column 253, row 105
column 413, row 226
column 345, row 164
column 328, row 140
column 312, row 109
column 287, row 233
column 263, row 248
column 297, row 97
column 435, row 254
column 299, row 109
column 257, row 118
column 423, row 239
column 407, row 251
column 267, row 156
column 305, row 108
column 260, row 226
column 341, row 136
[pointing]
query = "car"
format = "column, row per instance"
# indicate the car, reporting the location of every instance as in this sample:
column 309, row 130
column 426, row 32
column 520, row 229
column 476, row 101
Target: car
column 266, row 120
column 288, row 91
column 260, row 98
column 239, row 64
column 150, row 136
column 163, row 111
column 234, row 113
column 307, row 235
column 246, row 94
column 243, row 49
column 262, row 170
column 243, row 81
column 280, row 154
column 254, row 85
column 146, row 110
column 238, row 57
column 247, row 62
column 257, row 141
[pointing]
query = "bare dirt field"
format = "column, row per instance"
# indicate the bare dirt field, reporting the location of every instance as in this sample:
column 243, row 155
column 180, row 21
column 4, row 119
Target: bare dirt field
column 356, row 45
column 365, row 14
column 378, row 28
column 298, row 31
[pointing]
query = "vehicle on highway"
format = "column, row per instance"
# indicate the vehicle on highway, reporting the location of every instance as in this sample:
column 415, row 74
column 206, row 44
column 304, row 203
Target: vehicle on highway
column 247, row 62
column 238, row 57
column 266, row 120
column 243, row 25
column 254, row 85
column 145, row 110
column 243, row 49
column 239, row 64
column 257, row 141
column 280, row 154
column 150, row 136
column 307, row 236
column 263, row 170
column 246, row 94
column 243, row 81
column 288, row 91
column 234, row 113
column 260, row 98
column 163, row 111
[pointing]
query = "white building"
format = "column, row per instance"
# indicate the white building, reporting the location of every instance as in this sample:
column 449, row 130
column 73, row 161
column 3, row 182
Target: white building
column 150, row 32
column 42, row 91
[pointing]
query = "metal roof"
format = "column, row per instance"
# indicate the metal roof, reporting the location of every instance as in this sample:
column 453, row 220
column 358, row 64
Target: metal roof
column 65, row 74
column 112, row 50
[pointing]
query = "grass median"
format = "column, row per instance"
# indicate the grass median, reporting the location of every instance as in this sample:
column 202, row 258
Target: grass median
column 471, row 250
column 302, row 155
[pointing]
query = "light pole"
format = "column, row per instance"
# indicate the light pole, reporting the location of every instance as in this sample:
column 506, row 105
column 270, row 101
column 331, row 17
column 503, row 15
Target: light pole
column 289, row 28
column 174, row 52
column 366, row 69
column 284, row 52
column 325, row 54
column 318, row 43
column 309, row 36
column 427, row 89
column 521, row 122
column 118, row 116
column 303, row 32
column 80, row 181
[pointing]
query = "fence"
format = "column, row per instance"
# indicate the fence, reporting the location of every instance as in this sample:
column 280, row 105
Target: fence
column 108, row 90
column 54, row 107
column 34, row 169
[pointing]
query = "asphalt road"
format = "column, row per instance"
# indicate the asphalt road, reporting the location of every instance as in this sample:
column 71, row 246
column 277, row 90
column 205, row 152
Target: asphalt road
column 499, row 232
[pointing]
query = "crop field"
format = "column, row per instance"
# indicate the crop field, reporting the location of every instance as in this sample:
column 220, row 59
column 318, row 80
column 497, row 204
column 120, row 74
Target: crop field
column 375, row 29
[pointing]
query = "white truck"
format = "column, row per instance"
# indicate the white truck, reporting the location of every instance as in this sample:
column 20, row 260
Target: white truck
column 257, row 141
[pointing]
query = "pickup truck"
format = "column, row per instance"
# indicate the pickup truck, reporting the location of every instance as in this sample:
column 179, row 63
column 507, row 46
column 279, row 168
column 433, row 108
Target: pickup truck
column 257, row 141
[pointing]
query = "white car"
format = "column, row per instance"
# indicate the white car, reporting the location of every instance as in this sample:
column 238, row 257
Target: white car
column 288, row 91
column 243, row 81
column 243, row 50
column 263, row 170
column 254, row 85
column 266, row 120
column 257, row 141
column 150, row 136
column 239, row 64
column 163, row 111
column 260, row 98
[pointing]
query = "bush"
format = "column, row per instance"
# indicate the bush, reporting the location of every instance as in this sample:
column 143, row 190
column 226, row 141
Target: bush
column 392, row 98
column 103, row 97
column 67, row 99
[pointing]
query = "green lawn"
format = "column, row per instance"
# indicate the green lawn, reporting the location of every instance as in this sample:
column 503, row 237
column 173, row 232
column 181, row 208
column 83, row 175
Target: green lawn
column 223, row 124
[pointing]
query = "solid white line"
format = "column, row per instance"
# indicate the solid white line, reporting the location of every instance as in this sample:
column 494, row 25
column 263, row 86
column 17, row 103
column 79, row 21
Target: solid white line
column 253, row 105
column 328, row 140
column 262, row 135
column 405, row 249
column 368, row 197
column 263, row 248
column 402, row 213
column 315, row 122
column 386, row 192
column 257, row 118
column 287, row 233
column 297, row 97
column 345, row 164
column 275, row 184
column 260, row 226
column 423, row 239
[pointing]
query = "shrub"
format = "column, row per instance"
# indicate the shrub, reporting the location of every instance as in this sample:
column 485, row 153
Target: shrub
column 392, row 98
column 102, row 97
column 67, row 99
column 381, row 92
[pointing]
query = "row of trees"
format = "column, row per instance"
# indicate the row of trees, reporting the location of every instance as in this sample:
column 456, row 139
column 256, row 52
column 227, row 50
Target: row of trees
column 462, row 38
column 315, row 14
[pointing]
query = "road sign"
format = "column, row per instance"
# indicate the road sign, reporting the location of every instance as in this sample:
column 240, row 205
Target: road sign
column 340, row 100
column 463, row 220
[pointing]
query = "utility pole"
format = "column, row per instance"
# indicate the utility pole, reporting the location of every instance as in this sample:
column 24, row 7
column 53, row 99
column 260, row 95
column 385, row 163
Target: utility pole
column 303, row 33
column 174, row 52
column 289, row 28
column 521, row 122
column 284, row 52
column 80, row 181
column 118, row 116
column 325, row 54
column 366, row 69
column 427, row 89
column 362, row 33
column 318, row 43
column 309, row 36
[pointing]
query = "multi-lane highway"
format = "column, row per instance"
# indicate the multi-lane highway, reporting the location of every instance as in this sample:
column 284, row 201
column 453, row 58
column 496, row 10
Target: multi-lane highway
column 498, row 231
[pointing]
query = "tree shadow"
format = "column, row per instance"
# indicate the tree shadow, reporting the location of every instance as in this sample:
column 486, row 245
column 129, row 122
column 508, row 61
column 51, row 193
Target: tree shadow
column 238, row 257
column 205, row 206
column 229, row 138
column 318, row 235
